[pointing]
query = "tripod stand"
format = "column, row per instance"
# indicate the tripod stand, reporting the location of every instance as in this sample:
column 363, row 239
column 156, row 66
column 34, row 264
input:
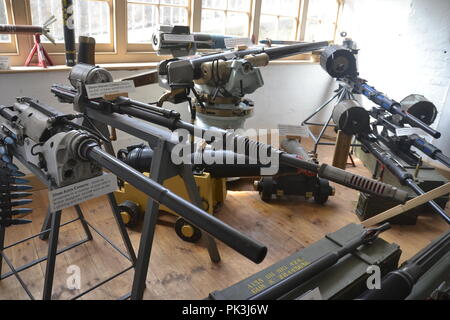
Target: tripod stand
column 341, row 94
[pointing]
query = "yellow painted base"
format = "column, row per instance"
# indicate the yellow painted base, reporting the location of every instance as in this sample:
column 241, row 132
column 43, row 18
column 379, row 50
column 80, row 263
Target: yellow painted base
column 212, row 191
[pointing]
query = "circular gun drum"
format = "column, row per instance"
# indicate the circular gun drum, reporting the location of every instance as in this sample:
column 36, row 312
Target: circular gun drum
column 89, row 74
column 420, row 107
column 338, row 61
column 351, row 118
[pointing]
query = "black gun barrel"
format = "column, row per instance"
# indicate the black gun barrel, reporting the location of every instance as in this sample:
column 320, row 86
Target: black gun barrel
column 393, row 107
column 211, row 161
column 249, row 248
column 398, row 284
column 288, row 284
column 274, row 53
column 403, row 176
column 430, row 150
column 145, row 112
column 427, row 148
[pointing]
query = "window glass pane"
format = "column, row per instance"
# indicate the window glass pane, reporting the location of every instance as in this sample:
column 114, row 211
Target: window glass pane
column 268, row 27
column 237, row 24
column 141, row 21
column 213, row 21
column 286, row 28
column 145, row 1
column 281, row 7
column 214, row 4
column 277, row 28
column 321, row 21
column 173, row 15
column 239, row 5
column 92, row 18
column 175, row 2
column 4, row 20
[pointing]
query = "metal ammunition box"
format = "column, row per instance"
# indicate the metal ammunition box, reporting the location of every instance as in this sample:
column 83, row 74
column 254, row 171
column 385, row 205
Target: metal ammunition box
column 427, row 179
column 345, row 280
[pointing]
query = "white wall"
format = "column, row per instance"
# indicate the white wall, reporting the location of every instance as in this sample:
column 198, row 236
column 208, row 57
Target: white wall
column 289, row 95
column 405, row 48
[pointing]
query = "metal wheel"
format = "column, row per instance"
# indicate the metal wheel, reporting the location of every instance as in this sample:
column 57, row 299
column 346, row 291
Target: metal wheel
column 266, row 189
column 323, row 191
column 129, row 211
column 187, row 231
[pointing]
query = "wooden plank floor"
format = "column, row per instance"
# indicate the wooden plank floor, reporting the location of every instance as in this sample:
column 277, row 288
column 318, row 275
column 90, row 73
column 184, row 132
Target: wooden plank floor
column 180, row 270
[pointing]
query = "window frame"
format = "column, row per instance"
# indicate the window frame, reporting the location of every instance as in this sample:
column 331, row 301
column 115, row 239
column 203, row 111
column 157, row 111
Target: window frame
column 226, row 10
column 9, row 48
column 298, row 19
column 147, row 47
column 58, row 48
column 119, row 50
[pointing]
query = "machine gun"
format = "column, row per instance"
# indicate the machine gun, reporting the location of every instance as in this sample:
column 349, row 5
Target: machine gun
column 404, row 177
column 370, row 141
column 178, row 41
column 340, row 63
column 67, row 153
column 43, row 57
column 418, row 277
column 220, row 82
column 401, row 145
column 171, row 120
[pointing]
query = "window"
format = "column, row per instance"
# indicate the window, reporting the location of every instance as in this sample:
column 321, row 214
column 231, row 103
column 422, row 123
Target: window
column 230, row 17
column 123, row 28
column 279, row 19
column 91, row 18
column 321, row 20
column 144, row 15
column 4, row 20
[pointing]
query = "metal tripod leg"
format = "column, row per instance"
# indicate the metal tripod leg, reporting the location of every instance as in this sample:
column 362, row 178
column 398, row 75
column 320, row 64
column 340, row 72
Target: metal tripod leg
column 83, row 222
column 160, row 158
column 188, row 178
column 323, row 106
column 341, row 94
column 103, row 128
column 46, row 226
column 122, row 229
column 51, row 261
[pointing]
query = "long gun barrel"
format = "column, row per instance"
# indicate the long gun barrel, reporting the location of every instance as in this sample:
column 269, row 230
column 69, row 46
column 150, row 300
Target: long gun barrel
column 397, row 285
column 393, row 107
column 149, row 113
column 427, row 148
column 290, row 283
column 84, row 146
column 249, row 248
column 273, row 54
column 340, row 63
column 29, row 29
column 405, row 178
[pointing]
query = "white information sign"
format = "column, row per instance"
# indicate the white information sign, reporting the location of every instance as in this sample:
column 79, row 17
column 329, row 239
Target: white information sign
column 80, row 192
column 99, row 90
column 291, row 130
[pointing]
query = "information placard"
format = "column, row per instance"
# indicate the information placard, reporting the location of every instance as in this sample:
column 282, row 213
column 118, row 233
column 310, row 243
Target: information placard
column 80, row 192
column 99, row 90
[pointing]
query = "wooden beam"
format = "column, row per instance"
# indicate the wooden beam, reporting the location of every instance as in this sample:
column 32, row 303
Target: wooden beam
column 343, row 144
column 411, row 204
